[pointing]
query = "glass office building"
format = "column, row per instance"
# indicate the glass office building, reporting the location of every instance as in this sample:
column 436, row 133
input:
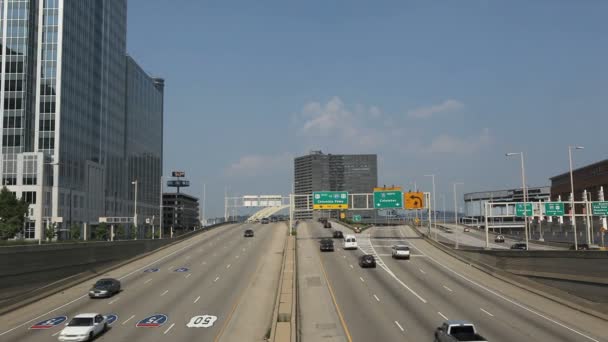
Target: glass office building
column 70, row 93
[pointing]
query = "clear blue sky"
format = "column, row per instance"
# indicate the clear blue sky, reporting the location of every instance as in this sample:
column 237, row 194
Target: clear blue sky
column 444, row 87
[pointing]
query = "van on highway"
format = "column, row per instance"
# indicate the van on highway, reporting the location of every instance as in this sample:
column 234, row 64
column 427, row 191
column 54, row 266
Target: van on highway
column 350, row 242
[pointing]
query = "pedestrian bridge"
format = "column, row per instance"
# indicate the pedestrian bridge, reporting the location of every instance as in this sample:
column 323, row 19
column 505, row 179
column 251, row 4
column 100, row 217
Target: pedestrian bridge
column 266, row 212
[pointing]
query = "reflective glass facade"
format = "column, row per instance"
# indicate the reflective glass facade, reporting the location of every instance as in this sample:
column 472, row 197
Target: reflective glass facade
column 86, row 115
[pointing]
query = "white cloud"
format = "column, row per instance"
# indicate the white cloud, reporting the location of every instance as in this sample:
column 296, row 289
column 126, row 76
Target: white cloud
column 334, row 124
column 427, row 112
column 255, row 165
column 446, row 144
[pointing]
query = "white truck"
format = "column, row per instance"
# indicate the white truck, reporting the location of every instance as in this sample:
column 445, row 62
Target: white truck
column 457, row 331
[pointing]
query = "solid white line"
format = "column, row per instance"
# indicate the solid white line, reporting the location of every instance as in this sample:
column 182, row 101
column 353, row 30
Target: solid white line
column 228, row 266
column 388, row 270
column 363, row 281
column 422, row 271
column 447, row 288
column 509, row 300
column 57, row 333
column 164, row 293
column 489, row 314
column 147, row 281
column 114, row 300
column 197, row 298
column 130, row 318
column 188, row 275
column 216, row 279
column 399, row 325
column 442, row 315
column 166, row 331
column 378, row 300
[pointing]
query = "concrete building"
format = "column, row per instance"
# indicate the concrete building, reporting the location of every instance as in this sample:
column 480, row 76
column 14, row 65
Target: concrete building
column 355, row 173
column 474, row 202
column 80, row 120
column 180, row 213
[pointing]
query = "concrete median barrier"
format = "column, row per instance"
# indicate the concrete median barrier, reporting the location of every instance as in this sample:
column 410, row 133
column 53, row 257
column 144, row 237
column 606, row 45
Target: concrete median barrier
column 283, row 328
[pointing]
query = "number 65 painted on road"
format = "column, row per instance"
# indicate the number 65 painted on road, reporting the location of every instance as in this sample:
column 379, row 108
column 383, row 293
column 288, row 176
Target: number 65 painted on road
column 204, row 321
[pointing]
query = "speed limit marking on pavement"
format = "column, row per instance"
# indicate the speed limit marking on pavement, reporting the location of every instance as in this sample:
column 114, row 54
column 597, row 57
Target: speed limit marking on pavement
column 204, row 321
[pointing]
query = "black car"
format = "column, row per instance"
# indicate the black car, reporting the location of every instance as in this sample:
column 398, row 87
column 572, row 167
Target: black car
column 499, row 239
column 322, row 219
column 327, row 245
column 338, row 235
column 519, row 246
column 248, row 233
column 327, row 224
column 106, row 287
column 367, row 261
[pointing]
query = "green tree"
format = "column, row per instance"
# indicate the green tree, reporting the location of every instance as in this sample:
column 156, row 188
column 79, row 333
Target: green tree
column 12, row 214
column 119, row 232
column 101, row 232
column 75, row 232
column 148, row 231
column 50, row 232
column 133, row 232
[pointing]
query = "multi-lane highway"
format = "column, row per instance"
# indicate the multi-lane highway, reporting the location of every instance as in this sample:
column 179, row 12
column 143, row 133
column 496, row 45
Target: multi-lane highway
column 403, row 300
column 219, row 274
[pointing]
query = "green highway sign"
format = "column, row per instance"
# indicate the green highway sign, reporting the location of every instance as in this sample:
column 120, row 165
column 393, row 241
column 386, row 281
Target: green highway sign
column 330, row 200
column 519, row 209
column 388, row 199
column 357, row 218
column 554, row 209
column 599, row 208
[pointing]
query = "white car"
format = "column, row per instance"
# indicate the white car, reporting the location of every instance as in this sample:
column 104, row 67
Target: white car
column 350, row 242
column 84, row 327
column 401, row 251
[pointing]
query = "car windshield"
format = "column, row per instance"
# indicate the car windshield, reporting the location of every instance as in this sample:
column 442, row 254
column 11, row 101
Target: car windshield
column 402, row 248
column 81, row 322
column 103, row 283
column 466, row 329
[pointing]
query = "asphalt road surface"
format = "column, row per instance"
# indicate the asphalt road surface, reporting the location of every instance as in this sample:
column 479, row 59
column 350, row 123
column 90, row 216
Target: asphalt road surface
column 209, row 274
column 403, row 300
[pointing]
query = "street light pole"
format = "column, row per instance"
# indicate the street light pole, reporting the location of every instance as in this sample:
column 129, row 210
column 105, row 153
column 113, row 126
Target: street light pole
column 455, row 203
column 572, row 207
column 135, row 210
column 523, row 180
column 434, row 204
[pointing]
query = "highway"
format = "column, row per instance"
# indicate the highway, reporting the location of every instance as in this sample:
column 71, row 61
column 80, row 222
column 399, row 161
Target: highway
column 477, row 238
column 403, row 300
column 218, row 273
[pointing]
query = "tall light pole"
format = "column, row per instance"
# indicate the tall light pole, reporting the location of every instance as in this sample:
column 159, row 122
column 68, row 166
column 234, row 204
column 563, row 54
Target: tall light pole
column 443, row 201
column 135, row 210
column 572, row 207
column 456, row 203
column 523, row 182
column 434, row 204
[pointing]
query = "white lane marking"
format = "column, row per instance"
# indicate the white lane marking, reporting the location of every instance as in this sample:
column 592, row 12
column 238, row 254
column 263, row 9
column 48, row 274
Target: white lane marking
column 203, row 263
column 86, row 295
column 214, row 254
column 197, row 298
column 363, row 281
column 388, row 270
column 344, row 256
column 351, row 266
column 507, row 299
column 489, row 314
column 447, row 288
column 57, row 333
column 170, row 267
column 237, row 256
column 216, row 279
column 399, row 325
column 228, row 266
column 442, row 315
column 147, row 281
column 128, row 319
column 377, row 299
column 164, row 293
column 170, row 327
column 114, row 300
column 188, row 275
column 422, row 271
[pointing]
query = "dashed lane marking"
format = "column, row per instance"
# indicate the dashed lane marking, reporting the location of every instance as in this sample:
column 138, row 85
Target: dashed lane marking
column 399, row 325
column 487, row 313
column 442, row 315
